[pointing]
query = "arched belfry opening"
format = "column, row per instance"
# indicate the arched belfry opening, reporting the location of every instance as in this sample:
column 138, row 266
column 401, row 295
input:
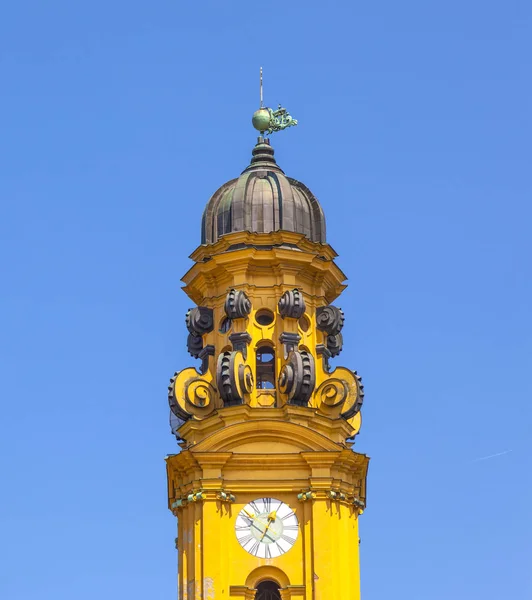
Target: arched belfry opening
column 265, row 368
column 268, row 590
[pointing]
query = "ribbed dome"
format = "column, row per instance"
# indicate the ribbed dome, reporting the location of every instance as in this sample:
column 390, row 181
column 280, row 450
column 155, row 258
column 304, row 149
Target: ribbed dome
column 262, row 200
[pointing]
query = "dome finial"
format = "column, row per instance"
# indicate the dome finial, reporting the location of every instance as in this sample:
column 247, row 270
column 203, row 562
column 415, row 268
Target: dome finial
column 261, row 98
column 267, row 120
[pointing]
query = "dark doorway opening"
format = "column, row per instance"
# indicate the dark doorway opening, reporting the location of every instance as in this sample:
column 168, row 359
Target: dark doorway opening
column 267, row 590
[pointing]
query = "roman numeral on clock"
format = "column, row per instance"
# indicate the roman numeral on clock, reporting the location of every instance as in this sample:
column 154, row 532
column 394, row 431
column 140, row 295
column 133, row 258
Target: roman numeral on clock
column 288, row 539
column 245, row 540
column 254, row 549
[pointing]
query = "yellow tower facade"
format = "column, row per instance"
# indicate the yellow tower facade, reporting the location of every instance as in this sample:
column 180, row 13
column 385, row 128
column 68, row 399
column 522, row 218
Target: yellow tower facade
column 266, row 488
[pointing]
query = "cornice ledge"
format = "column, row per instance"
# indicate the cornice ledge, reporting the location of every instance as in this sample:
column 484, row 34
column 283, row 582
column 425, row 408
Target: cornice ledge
column 206, row 251
column 321, row 459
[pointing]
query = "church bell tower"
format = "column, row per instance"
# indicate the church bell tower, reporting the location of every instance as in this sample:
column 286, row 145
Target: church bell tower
column 266, row 488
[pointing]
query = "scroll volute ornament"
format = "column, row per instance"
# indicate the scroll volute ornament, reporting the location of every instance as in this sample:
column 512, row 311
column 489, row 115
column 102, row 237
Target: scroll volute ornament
column 330, row 319
column 234, row 378
column 292, row 304
column 194, row 345
column 341, row 394
column 298, row 378
column 237, row 304
column 199, row 321
column 335, row 343
column 192, row 395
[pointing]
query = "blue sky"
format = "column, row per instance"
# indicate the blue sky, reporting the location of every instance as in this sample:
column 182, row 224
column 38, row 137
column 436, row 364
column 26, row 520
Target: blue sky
column 118, row 121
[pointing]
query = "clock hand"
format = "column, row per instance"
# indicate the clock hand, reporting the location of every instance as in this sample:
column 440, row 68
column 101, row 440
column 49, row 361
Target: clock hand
column 257, row 528
column 271, row 519
column 265, row 531
column 270, row 538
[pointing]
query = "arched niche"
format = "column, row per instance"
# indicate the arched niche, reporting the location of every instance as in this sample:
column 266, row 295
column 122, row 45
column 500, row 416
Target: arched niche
column 267, row 573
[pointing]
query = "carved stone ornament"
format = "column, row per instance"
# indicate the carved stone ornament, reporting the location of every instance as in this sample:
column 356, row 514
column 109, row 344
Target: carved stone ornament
column 194, row 344
column 199, row 393
column 172, row 401
column 240, row 342
column 330, row 319
column 324, row 352
column 292, row 304
column 237, row 304
column 355, row 398
column 341, row 395
column 234, row 378
column 200, row 320
column 332, row 392
column 191, row 395
column 204, row 355
column 298, row 378
column 335, row 343
column 290, row 342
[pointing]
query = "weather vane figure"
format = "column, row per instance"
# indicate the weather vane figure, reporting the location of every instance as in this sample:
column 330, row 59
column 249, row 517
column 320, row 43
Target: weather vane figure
column 267, row 120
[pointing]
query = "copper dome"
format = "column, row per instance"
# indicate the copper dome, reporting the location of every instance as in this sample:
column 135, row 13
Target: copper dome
column 263, row 200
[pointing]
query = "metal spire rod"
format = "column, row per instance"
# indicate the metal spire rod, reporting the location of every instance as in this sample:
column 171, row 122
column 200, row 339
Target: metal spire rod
column 261, row 99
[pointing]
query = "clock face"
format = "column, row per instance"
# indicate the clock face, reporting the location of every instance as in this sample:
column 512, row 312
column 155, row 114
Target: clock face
column 266, row 528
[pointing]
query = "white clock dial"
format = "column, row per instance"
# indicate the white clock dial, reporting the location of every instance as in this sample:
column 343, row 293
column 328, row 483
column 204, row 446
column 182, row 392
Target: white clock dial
column 266, row 528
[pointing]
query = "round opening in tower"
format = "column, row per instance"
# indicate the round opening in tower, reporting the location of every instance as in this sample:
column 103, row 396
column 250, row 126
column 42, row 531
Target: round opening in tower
column 304, row 323
column 225, row 325
column 264, row 317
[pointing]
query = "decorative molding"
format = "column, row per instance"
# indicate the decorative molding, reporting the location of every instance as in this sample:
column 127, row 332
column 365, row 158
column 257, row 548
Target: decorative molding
column 292, row 592
column 290, row 342
column 240, row 342
column 325, row 353
column 204, row 357
column 242, row 591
